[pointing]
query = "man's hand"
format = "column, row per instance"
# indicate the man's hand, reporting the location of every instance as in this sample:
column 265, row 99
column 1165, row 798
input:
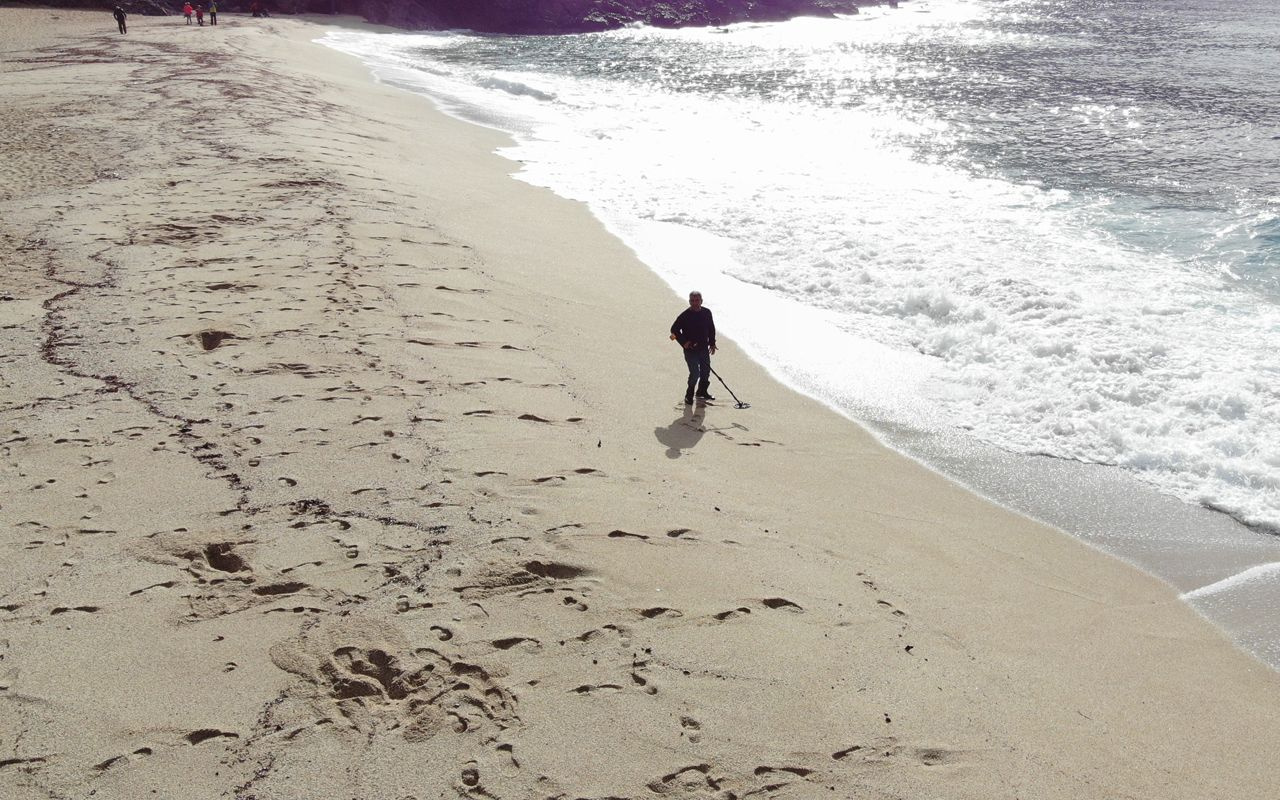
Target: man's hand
column 713, row 349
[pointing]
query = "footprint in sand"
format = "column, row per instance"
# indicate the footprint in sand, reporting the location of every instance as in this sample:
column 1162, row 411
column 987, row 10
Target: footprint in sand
column 471, row 778
column 620, row 534
column 620, row 634
column 691, row 729
column 524, row 642
column 689, row 781
column 295, row 610
column 222, row 556
column 212, row 340
column 660, row 611
column 778, row 777
column 82, row 609
column 121, row 760
column 641, row 682
column 781, row 603
column 272, row 589
column 897, row 612
column 206, row 734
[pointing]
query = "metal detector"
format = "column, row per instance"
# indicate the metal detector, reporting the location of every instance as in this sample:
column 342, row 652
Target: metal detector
column 739, row 403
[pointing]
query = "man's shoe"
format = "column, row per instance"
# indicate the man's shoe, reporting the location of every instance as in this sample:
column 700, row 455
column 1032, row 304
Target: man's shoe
column 688, row 400
column 705, row 396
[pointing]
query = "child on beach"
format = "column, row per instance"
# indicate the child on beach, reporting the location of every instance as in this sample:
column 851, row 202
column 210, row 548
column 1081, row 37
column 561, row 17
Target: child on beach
column 187, row 11
column 200, row 16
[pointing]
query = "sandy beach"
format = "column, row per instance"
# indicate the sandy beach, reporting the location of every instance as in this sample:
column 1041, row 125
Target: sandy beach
column 339, row 464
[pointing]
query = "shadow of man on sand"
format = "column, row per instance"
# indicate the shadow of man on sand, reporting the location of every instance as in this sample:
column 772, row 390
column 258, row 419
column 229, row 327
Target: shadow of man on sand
column 684, row 433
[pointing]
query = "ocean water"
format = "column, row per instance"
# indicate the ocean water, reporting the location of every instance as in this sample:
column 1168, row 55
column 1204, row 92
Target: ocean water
column 1049, row 226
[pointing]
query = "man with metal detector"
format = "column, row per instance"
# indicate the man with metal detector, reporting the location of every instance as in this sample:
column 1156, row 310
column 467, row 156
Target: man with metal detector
column 695, row 330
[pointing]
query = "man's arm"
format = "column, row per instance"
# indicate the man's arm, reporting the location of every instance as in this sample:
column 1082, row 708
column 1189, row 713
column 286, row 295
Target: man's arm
column 677, row 328
column 711, row 327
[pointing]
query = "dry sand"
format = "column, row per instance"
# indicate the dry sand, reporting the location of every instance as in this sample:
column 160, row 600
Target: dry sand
column 339, row 464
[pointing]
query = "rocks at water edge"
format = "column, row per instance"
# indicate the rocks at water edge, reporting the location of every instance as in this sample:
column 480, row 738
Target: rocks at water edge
column 523, row 16
column 564, row 16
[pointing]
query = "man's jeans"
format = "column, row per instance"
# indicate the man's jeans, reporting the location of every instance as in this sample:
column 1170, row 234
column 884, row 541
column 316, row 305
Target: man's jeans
column 699, row 361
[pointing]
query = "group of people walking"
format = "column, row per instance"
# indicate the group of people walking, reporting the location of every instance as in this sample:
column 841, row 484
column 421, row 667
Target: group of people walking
column 198, row 10
column 188, row 11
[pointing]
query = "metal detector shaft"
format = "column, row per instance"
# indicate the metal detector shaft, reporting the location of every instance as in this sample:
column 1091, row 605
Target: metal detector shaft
column 739, row 404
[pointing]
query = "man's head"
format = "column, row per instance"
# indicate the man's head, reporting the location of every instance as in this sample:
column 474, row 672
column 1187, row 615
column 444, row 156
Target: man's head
column 695, row 299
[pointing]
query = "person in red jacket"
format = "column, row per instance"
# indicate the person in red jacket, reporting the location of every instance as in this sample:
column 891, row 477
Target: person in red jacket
column 200, row 16
column 187, row 11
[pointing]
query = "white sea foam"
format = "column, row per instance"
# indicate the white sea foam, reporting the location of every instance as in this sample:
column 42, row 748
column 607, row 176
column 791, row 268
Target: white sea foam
column 1260, row 574
column 1041, row 320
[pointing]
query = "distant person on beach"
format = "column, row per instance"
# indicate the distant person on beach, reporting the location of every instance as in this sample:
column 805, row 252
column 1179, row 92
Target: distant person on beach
column 187, row 11
column 200, row 16
column 120, row 16
column 695, row 330
column 213, row 13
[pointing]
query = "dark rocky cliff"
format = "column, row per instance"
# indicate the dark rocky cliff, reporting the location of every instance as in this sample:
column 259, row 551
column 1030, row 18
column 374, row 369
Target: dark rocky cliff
column 568, row 16
column 527, row 16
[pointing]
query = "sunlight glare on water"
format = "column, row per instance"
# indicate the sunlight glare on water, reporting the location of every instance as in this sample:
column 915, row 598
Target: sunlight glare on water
column 1055, row 223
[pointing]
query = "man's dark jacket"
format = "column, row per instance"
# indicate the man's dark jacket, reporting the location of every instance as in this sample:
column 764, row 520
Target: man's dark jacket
column 696, row 326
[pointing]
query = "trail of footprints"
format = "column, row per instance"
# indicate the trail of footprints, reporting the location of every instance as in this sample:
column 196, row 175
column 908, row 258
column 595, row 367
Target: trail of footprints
column 375, row 679
column 159, row 742
column 379, row 681
column 357, row 672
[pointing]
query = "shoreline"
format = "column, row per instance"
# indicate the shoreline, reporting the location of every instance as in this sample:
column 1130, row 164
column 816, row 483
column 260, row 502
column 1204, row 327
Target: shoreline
column 1191, row 547
column 329, row 443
